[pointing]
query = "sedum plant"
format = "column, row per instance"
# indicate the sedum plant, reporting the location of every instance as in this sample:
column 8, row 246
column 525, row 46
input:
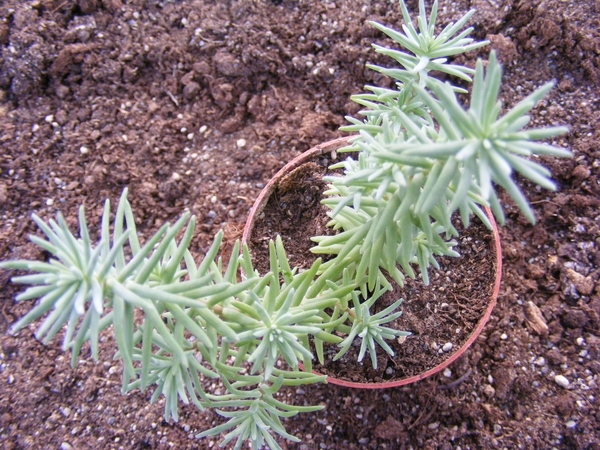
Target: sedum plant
column 422, row 156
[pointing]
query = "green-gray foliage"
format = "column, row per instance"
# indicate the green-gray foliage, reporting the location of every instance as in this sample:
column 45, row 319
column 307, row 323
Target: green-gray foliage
column 178, row 324
column 368, row 327
column 215, row 320
column 423, row 156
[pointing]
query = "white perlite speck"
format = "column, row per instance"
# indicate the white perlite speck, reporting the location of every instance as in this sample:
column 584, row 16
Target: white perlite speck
column 241, row 143
column 447, row 373
column 447, row 347
column 561, row 381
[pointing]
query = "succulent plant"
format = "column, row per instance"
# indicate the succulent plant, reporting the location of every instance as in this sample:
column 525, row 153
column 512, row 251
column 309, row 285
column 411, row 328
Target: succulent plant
column 421, row 156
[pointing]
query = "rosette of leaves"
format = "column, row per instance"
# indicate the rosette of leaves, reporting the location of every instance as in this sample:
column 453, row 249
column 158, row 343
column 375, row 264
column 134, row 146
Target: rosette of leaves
column 427, row 51
column 368, row 327
column 253, row 414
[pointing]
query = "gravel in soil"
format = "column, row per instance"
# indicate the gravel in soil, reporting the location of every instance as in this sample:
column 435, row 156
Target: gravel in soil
column 194, row 105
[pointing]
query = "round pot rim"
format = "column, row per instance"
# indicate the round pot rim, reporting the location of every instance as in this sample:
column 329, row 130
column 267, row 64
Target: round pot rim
column 333, row 145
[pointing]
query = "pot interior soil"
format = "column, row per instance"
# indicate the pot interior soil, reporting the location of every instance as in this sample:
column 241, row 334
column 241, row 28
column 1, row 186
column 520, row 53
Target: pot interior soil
column 294, row 212
column 440, row 317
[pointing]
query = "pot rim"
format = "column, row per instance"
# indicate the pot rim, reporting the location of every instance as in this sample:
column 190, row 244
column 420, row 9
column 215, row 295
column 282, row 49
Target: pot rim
column 333, row 145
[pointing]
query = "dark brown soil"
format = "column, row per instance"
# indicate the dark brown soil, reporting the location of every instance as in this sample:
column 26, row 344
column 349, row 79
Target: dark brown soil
column 295, row 213
column 157, row 95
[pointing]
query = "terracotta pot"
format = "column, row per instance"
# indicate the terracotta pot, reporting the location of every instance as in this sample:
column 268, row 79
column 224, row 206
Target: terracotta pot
column 334, row 145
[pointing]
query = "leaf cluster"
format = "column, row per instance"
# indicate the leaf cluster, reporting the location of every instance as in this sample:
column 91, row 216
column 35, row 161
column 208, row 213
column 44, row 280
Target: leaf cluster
column 178, row 324
column 424, row 156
